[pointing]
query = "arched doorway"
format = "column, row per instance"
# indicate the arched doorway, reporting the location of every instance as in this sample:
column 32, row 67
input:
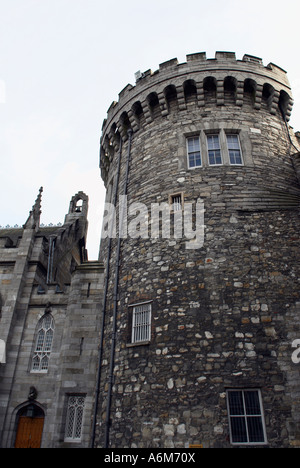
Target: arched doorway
column 30, row 423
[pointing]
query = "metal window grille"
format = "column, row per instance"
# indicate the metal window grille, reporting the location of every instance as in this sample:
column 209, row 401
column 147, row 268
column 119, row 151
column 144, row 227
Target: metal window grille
column 74, row 418
column 194, row 154
column 141, row 323
column 176, row 202
column 43, row 346
column 246, row 417
column 214, row 150
column 235, row 155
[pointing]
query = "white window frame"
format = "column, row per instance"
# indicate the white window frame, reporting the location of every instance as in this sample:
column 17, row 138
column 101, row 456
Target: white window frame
column 193, row 153
column 234, row 149
column 141, row 323
column 245, row 417
column 74, row 419
column 218, row 148
column 43, row 345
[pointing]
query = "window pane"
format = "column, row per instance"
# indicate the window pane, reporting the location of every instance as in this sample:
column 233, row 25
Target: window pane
column 70, row 423
column 194, row 155
column 36, row 363
column 44, row 363
column 213, row 142
column 236, row 406
column 252, row 402
column 193, row 145
column 235, row 157
column 48, row 341
column 40, row 341
column 234, row 149
column 255, row 429
column 233, row 142
column 238, row 430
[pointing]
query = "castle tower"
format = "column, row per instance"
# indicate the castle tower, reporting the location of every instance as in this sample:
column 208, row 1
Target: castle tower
column 201, row 247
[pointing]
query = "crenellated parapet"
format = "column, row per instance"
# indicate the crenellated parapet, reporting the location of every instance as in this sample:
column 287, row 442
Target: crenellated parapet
column 222, row 81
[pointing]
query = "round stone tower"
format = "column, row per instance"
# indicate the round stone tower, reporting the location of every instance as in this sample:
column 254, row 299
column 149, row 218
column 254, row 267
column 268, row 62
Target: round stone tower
column 201, row 247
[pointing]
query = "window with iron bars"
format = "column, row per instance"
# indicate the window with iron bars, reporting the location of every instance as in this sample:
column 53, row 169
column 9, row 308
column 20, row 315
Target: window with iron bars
column 141, row 323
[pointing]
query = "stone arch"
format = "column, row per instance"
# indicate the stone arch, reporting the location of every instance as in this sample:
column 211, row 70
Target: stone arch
column 210, row 89
column 28, row 425
column 285, row 104
column 170, row 93
column 153, row 103
column 125, row 125
column 249, row 91
column 190, row 91
column 79, row 203
column 230, row 89
column 138, row 114
column 267, row 96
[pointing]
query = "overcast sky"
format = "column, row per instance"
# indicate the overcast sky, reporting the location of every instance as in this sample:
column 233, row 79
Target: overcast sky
column 62, row 63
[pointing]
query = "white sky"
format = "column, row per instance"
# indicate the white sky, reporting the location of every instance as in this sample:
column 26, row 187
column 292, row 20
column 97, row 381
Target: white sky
column 62, row 63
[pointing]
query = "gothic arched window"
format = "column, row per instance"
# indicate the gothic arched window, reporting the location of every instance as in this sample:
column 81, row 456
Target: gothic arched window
column 43, row 344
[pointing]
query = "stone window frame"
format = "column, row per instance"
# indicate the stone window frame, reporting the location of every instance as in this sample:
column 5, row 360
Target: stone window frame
column 174, row 204
column 75, row 418
column 43, row 345
column 222, row 131
column 246, row 416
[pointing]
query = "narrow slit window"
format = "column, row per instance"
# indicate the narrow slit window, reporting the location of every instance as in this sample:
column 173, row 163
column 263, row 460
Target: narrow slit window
column 194, row 153
column 176, row 202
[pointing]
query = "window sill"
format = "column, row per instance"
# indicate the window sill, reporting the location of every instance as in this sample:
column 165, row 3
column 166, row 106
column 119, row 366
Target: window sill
column 140, row 343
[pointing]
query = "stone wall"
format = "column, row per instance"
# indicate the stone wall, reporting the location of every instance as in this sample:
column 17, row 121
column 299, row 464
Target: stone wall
column 219, row 312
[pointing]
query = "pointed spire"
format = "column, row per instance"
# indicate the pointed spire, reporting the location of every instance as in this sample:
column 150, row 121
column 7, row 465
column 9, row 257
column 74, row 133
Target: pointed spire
column 33, row 221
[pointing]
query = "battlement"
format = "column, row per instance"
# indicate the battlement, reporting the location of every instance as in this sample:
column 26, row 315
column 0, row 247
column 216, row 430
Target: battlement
column 222, row 81
column 198, row 62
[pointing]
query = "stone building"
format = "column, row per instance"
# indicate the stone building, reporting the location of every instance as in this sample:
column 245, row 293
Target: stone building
column 186, row 332
column 202, row 305
column 49, row 327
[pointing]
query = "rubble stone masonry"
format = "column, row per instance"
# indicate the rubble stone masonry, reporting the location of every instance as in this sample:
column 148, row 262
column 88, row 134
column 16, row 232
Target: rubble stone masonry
column 223, row 316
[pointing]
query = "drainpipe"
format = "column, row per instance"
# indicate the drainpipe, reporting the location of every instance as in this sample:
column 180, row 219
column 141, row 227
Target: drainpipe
column 115, row 299
column 97, row 391
column 98, row 381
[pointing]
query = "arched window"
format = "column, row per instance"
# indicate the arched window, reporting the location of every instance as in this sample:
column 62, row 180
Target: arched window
column 43, row 344
column 79, row 203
